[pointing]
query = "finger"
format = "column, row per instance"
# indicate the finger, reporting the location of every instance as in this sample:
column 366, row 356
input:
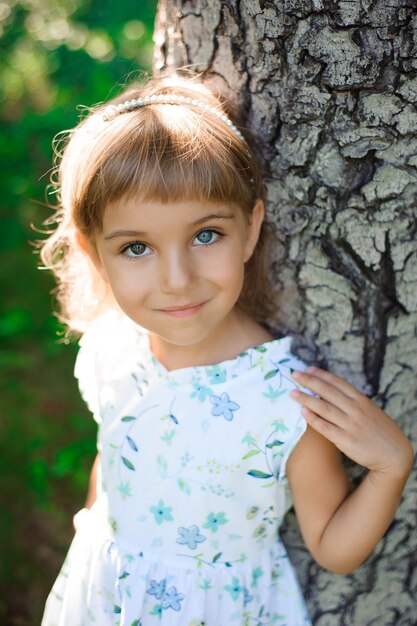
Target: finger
column 323, row 427
column 336, row 381
column 337, row 436
column 320, row 407
column 325, row 390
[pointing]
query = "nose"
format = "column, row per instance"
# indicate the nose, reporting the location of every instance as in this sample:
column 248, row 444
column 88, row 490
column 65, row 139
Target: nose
column 176, row 272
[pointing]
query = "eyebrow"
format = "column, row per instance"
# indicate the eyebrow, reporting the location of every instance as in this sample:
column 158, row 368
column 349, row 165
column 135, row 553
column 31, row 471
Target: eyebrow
column 141, row 233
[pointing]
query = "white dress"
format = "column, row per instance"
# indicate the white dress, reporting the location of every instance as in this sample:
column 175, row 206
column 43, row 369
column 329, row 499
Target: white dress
column 192, row 489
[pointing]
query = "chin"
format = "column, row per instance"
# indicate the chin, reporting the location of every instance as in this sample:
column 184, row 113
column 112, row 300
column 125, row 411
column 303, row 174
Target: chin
column 184, row 339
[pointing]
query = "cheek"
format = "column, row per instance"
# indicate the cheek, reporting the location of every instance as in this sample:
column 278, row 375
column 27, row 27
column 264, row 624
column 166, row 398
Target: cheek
column 126, row 281
column 227, row 268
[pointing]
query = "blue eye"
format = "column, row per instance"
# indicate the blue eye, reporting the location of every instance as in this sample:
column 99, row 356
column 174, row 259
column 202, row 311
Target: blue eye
column 206, row 237
column 136, row 249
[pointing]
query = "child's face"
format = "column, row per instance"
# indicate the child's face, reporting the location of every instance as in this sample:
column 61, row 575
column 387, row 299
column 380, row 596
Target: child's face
column 176, row 269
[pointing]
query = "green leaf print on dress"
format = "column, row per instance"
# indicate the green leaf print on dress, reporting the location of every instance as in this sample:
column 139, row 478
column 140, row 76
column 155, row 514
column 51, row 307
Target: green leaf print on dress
column 184, row 533
column 128, row 463
column 266, row 471
column 284, row 377
column 162, row 466
column 168, row 436
column 130, row 443
column 258, row 474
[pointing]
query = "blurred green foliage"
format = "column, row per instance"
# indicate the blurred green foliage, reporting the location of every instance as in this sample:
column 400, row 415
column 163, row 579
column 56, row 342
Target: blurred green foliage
column 55, row 54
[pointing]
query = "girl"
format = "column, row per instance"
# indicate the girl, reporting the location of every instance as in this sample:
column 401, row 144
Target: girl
column 204, row 418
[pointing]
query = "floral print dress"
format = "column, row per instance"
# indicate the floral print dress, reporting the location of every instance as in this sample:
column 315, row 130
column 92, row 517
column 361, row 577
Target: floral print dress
column 192, row 489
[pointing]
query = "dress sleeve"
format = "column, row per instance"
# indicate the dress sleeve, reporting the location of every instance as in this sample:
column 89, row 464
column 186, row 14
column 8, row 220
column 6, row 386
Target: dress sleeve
column 87, row 375
column 298, row 428
column 290, row 411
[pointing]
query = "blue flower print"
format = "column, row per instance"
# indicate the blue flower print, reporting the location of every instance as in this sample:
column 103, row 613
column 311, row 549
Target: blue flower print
column 234, row 589
column 125, row 489
column 216, row 374
column 214, row 520
column 172, row 599
column 200, row 391
column 190, row 536
column 186, row 458
column 157, row 610
column 161, row 512
column 246, row 596
column 256, row 574
column 223, row 406
column 157, row 589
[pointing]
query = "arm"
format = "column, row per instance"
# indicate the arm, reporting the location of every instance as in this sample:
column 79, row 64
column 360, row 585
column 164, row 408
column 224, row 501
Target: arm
column 341, row 527
column 92, row 485
column 91, row 494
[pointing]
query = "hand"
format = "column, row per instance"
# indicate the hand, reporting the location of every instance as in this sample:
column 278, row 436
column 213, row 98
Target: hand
column 352, row 422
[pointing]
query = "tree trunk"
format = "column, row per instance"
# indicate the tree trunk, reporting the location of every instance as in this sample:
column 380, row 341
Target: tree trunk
column 330, row 90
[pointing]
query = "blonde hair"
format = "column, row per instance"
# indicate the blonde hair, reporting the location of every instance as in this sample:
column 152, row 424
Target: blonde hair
column 156, row 152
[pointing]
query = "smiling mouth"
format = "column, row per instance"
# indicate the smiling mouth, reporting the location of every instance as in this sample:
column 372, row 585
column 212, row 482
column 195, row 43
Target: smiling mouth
column 183, row 311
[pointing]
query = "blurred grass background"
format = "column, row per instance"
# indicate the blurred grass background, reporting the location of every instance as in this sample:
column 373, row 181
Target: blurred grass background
column 54, row 55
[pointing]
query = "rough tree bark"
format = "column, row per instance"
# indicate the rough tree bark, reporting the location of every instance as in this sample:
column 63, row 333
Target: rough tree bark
column 330, row 90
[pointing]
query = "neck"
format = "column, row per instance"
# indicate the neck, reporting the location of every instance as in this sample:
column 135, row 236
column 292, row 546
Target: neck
column 237, row 333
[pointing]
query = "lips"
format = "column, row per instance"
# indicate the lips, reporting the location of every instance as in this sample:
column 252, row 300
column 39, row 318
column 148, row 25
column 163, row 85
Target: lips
column 183, row 310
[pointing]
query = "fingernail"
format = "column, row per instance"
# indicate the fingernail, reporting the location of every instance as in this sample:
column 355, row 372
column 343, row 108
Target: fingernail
column 295, row 393
column 311, row 369
column 297, row 374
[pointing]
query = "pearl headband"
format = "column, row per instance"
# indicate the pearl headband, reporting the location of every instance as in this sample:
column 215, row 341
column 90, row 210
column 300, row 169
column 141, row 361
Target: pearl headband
column 113, row 110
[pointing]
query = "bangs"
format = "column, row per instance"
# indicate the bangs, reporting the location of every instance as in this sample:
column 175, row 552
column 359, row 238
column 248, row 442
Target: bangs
column 166, row 153
column 160, row 152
